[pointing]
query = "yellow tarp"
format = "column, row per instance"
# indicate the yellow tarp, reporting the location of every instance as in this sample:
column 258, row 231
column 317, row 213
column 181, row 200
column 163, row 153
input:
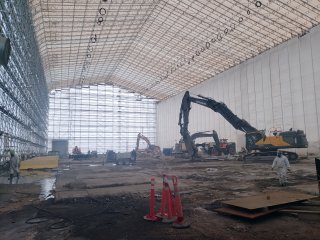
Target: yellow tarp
column 40, row 163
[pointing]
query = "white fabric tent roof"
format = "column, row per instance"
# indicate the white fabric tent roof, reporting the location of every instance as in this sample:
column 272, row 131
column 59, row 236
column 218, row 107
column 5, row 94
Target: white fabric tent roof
column 159, row 48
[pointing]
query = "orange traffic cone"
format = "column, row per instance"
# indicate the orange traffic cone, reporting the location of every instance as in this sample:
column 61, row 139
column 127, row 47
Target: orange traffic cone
column 151, row 216
column 179, row 223
column 167, row 211
column 161, row 212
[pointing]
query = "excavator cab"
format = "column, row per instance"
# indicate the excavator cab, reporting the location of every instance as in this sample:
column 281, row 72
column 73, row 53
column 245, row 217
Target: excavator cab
column 296, row 139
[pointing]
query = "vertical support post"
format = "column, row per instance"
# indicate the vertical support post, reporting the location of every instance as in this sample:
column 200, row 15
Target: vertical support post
column 317, row 162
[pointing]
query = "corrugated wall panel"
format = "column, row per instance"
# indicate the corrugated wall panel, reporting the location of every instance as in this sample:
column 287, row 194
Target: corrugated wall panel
column 278, row 88
column 315, row 46
column 308, row 89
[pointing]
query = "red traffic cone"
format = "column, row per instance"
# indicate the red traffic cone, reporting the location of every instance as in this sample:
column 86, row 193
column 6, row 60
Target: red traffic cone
column 161, row 212
column 151, row 216
column 167, row 211
column 179, row 223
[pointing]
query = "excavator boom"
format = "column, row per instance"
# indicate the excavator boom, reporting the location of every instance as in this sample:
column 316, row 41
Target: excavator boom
column 139, row 137
column 155, row 150
column 220, row 107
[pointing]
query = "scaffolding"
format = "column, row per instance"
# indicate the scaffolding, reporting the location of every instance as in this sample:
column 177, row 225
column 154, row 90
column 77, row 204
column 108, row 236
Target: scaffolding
column 100, row 117
column 23, row 89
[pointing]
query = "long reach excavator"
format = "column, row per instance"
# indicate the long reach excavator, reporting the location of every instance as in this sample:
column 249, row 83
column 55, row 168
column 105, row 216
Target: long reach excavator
column 257, row 143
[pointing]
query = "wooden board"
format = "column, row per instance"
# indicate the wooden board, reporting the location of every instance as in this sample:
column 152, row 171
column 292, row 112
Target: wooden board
column 268, row 199
column 44, row 162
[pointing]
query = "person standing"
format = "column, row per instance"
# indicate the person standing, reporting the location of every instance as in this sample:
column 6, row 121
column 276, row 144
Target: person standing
column 282, row 166
column 14, row 167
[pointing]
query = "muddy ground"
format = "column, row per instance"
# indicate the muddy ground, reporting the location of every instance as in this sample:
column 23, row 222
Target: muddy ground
column 105, row 201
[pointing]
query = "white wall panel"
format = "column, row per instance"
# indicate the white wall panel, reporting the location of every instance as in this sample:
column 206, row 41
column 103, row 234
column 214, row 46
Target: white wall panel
column 267, row 92
column 278, row 88
column 285, row 86
column 296, row 85
column 315, row 46
column 308, row 88
column 259, row 93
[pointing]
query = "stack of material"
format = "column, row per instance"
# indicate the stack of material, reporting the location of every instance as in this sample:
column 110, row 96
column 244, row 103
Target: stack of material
column 44, row 162
column 309, row 210
column 256, row 206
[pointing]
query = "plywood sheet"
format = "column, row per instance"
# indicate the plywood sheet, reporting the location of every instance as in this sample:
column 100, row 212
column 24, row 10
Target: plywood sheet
column 268, row 199
column 43, row 162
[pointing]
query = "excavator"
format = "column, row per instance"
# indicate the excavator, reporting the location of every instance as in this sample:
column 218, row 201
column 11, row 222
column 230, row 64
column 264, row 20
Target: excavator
column 153, row 150
column 220, row 146
column 257, row 143
column 209, row 148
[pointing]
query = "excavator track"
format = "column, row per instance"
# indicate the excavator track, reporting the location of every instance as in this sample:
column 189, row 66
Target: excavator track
column 269, row 155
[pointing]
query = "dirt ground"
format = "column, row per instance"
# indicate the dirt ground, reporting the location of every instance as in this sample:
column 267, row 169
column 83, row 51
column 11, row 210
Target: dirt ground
column 105, row 201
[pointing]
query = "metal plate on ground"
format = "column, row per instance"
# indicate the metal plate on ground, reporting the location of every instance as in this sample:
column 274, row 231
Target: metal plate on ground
column 246, row 214
column 268, row 199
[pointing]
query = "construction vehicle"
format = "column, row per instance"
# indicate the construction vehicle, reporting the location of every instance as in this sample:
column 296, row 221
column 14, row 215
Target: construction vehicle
column 215, row 148
column 121, row 157
column 78, row 155
column 257, row 143
column 126, row 157
column 218, row 147
column 111, row 156
column 180, row 149
column 151, row 149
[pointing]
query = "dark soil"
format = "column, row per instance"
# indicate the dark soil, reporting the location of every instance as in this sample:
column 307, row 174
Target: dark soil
column 118, row 217
column 121, row 217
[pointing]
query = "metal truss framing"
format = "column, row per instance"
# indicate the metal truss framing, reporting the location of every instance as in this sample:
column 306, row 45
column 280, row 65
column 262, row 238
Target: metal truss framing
column 159, row 48
column 100, row 117
column 23, row 89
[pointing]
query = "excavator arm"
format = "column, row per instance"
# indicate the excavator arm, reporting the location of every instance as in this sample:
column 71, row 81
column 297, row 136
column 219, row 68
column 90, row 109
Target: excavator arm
column 153, row 148
column 240, row 124
column 140, row 136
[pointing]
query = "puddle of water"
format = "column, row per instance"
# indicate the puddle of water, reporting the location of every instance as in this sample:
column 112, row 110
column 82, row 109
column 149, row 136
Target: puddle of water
column 126, row 165
column 45, row 179
column 47, row 185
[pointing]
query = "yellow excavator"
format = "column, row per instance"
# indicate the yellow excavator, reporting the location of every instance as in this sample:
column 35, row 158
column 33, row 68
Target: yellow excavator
column 257, row 143
column 151, row 149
